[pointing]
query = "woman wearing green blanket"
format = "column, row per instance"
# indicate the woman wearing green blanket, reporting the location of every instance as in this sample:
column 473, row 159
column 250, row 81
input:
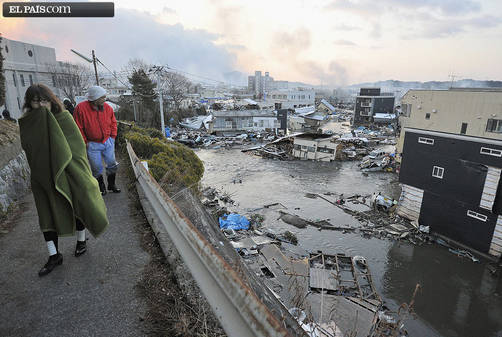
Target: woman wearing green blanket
column 66, row 194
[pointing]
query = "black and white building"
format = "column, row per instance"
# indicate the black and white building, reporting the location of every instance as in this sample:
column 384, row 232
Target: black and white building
column 373, row 106
column 453, row 183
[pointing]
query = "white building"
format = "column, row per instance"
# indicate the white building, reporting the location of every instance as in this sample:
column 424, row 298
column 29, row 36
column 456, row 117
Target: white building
column 291, row 99
column 24, row 65
column 114, row 88
column 244, row 120
column 314, row 147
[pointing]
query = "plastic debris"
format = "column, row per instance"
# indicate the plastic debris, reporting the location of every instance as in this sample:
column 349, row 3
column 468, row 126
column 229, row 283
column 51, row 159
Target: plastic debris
column 424, row 229
column 234, row 221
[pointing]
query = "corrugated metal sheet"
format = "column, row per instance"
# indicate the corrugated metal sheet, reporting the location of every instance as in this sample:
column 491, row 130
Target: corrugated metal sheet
column 496, row 245
column 490, row 189
column 410, row 202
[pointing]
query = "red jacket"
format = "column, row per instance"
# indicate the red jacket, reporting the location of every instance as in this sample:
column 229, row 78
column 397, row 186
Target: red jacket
column 95, row 126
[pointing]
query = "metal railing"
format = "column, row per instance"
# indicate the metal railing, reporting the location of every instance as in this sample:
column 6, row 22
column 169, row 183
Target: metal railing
column 240, row 312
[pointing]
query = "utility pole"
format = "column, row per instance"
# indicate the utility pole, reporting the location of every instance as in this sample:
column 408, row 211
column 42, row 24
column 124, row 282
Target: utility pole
column 93, row 61
column 158, row 71
column 134, row 106
column 95, row 68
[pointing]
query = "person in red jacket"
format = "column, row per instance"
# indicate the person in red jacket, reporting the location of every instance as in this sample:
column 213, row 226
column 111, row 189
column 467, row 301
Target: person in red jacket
column 97, row 123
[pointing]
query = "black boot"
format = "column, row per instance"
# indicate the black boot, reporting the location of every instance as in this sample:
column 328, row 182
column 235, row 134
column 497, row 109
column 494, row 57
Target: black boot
column 101, row 183
column 111, row 184
column 54, row 260
column 81, row 248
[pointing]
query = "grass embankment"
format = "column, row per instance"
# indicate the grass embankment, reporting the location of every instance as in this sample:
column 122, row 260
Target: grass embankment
column 172, row 164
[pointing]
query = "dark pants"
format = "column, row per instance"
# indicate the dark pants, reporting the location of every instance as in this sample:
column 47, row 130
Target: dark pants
column 53, row 236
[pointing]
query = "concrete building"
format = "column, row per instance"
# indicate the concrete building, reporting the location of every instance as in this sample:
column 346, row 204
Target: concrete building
column 24, row 65
column 314, row 147
column 259, row 85
column 290, row 99
column 244, row 120
column 114, row 87
column 369, row 102
column 451, row 168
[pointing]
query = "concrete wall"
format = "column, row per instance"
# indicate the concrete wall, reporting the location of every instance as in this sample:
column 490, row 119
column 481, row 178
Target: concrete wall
column 14, row 169
column 448, row 109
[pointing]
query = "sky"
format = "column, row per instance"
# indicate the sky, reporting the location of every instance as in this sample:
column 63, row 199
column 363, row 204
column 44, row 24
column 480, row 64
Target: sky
column 321, row 42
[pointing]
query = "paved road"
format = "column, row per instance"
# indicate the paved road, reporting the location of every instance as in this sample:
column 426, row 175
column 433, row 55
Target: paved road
column 92, row 295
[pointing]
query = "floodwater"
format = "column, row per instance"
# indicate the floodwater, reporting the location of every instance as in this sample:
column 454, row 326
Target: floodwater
column 457, row 298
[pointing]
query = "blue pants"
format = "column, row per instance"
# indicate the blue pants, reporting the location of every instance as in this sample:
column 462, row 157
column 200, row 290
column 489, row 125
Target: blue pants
column 96, row 152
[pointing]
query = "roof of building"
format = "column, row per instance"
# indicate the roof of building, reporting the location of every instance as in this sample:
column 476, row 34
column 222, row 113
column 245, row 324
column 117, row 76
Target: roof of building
column 250, row 101
column 384, row 116
column 328, row 105
column 462, row 89
column 305, row 110
column 317, row 117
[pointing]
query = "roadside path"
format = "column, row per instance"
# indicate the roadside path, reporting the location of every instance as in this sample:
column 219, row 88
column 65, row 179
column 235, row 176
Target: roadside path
column 92, row 295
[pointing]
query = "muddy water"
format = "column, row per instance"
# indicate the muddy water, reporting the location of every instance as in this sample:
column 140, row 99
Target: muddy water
column 457, row 297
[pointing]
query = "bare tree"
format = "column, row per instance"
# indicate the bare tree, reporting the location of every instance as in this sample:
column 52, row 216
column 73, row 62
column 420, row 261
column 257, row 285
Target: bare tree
column 72, row 78
column 137, row 64
column 176, row 86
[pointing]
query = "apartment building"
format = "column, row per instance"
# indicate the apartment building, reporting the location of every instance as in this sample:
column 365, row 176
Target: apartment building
column 371, row 104
column 451, row 148
column 290, row 99
column 24, row 65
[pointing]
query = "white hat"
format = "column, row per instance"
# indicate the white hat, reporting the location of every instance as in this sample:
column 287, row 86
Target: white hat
column 95, row 92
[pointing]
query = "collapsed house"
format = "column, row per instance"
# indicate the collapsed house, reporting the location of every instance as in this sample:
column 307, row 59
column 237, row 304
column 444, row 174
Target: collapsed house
column 314, row 147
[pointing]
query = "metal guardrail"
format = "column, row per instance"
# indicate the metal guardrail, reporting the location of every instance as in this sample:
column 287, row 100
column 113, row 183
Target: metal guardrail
column 239, row 310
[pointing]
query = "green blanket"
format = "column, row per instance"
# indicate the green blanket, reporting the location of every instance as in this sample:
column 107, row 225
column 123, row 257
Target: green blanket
column 61, row 179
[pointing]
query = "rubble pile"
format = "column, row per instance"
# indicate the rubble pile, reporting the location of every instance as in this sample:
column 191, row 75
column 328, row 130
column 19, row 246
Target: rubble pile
column 282, row 150
column 386, row 162
column 201, row 139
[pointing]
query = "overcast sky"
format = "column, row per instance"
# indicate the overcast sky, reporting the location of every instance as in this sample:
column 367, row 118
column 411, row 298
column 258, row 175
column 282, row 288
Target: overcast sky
column 333, row 42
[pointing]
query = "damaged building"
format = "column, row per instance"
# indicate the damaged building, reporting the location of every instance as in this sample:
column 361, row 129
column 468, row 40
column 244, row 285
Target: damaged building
column 373, row 106
column 314, row 147
column 451, row 147
column 245, row 120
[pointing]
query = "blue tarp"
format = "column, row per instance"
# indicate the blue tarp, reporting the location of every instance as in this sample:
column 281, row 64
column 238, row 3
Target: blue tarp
column 168, row 132
column 234, row 221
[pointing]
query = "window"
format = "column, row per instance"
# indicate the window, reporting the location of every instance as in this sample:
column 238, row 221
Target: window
column 54, row 80
column 463, row 129
column 491, row 152
column 311, row 149
column 22, row 80
column 428, row 141
column 437, row 172
column 494, row 125
column 14, row 78
column 31, row 79
column 427, row 116
column 6, row 49
column 19, row 103
column 476, row 215
column 406, row 110
column 30, row 53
